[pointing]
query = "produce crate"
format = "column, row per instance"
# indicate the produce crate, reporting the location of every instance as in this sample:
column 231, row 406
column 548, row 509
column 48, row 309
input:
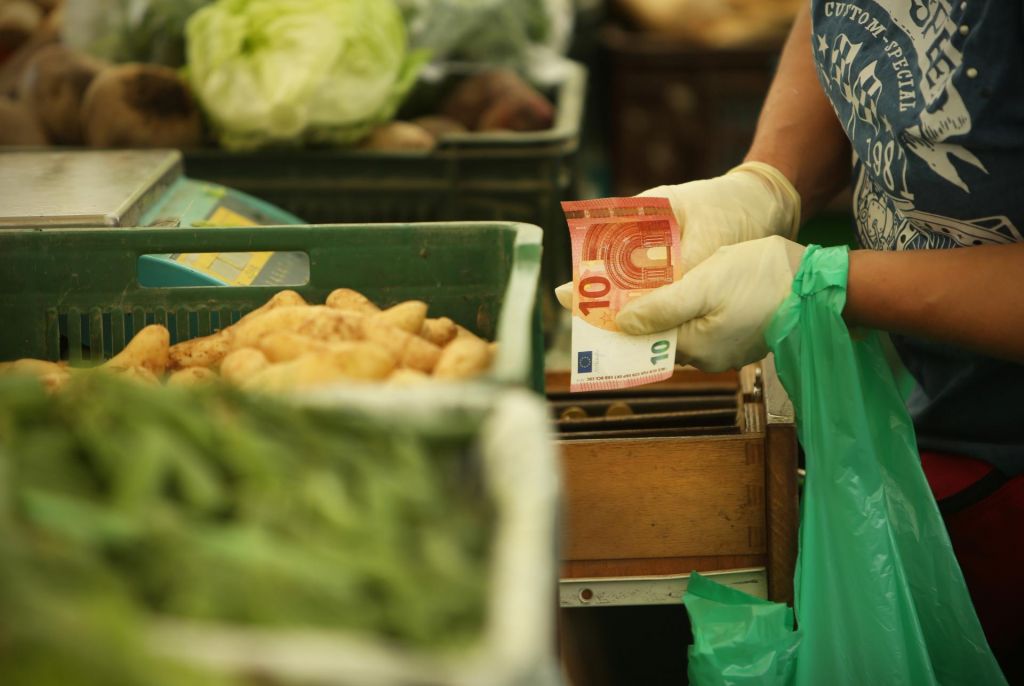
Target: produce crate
column 75, row 293
column 519, row 472
column 500, row 456
column 680, row 112
column 475, row 176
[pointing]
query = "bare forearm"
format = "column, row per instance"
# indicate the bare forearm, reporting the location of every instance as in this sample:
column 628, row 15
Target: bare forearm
column 798, row 132
column 967, row 296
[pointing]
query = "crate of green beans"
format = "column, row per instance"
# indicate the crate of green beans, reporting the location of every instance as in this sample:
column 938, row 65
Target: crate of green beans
column 208, row 536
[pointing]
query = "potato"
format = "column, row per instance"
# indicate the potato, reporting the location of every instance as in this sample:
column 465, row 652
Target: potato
column 19, row 125
column 282, row 346
column 407, row 316
column 462, row 358
column 140, row 106
column 313, row 320
column 360, row 360
column 385, row 336
column 52, row 375
column 149, row 349
column 299, row 373
column 243, row 363
column 410, row 351
column 462, row 333
column 206, row 351
column 399, row 135
column 420, row 355
column 28, row 365
column 332, row 325
column 498, row 99
column 307, row 371
column 439, row 125
column 141, row 374
column 440, row 331
column 348, row 299
column 191, row 376
column 408, row 377
column 286, row 298
column 19, row 19
column 53, row 84
column 525, row 111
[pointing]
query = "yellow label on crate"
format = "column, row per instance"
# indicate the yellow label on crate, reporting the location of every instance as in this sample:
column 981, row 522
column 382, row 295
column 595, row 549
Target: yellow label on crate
column 236, row 269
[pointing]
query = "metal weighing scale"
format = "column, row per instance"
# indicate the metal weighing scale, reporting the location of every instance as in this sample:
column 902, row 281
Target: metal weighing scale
column 48, row 189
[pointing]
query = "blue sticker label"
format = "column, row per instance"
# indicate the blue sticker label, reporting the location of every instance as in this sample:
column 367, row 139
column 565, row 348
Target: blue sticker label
column 585, row 362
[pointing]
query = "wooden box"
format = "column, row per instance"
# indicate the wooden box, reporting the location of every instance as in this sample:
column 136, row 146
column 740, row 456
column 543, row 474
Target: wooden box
column 650, row 498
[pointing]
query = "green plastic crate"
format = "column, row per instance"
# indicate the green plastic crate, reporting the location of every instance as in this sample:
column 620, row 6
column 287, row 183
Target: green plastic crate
column 509, row 176
column 75, row 294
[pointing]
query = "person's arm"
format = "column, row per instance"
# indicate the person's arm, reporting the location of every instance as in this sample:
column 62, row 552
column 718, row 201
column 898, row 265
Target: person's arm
column 798, row 132
column 970, row 297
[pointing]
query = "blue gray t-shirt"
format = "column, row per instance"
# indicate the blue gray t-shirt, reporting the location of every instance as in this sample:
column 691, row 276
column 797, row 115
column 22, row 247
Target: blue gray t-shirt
column 931, row 94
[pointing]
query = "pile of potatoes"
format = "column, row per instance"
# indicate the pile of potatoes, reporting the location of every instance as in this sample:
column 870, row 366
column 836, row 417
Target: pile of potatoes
column 64, row 97
column 288, row 344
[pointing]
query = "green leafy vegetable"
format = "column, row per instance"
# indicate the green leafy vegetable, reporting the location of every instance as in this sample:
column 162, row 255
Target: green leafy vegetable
column 273, row 72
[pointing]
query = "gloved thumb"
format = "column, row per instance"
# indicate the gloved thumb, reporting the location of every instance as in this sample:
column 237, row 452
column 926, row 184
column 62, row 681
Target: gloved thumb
column 564, row 295
column 666, row 307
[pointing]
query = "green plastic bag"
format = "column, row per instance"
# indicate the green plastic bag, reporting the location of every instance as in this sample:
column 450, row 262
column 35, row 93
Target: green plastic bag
column 879, row 594
column 738, row 639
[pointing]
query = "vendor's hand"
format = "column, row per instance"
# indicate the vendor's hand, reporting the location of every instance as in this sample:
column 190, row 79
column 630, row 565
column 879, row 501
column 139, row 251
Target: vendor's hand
column 752, row 201
column 723, row 305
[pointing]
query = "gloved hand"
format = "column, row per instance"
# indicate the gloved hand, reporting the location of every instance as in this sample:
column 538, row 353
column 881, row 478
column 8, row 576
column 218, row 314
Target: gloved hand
column 752, row 201
column 723, row 305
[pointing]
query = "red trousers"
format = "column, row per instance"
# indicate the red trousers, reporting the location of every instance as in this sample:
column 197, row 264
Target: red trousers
column 988, row 537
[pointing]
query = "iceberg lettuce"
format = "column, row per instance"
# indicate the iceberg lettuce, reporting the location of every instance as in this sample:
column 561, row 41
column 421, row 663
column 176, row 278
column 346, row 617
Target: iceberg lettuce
column 289, row 72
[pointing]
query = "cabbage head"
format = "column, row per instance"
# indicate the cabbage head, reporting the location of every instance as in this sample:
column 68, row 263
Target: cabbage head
column 290, row 72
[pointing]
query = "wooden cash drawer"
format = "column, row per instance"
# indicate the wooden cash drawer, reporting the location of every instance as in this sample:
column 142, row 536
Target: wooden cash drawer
column 691, row 474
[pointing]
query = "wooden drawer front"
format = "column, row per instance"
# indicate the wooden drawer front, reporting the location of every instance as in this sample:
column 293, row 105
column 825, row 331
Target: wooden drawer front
column 657, row 498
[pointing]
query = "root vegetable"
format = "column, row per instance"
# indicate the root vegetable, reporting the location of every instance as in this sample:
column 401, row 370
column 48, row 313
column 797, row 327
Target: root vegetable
column 206, row 351
column 242, row 364
column 19, row 19
column 420, row 355
column 407, row 316
column 286, row 298
column 18, row 125
column 358, row 360
column 309, row 370
column 439, row 125
column 149, row 350
column 191, row 376
column 141, row 374
column 408, row 377
column 463, row 333
column 498, row 99
column 348, row 299
column 53, row 375
column 399, row 135
column 316, row 321
column 518, row 112
column 53, row 85
column 440, row 331
column 283, row 346
column 462, row 359
column 411, row 351
column 140, row 105
column 28, row 365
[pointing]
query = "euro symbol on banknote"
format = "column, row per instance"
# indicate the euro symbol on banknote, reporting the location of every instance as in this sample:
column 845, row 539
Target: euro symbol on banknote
column 622, row 248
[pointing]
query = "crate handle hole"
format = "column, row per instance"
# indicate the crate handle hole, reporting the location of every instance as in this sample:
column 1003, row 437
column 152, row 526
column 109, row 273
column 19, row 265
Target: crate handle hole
column 184, row 270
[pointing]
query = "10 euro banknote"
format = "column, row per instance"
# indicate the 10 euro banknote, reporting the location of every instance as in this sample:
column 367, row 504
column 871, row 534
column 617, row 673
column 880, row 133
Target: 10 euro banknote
column 622, row 248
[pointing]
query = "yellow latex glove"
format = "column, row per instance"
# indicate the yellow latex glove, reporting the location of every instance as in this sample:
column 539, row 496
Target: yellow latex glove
column 752, row 201
column 723, row 305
